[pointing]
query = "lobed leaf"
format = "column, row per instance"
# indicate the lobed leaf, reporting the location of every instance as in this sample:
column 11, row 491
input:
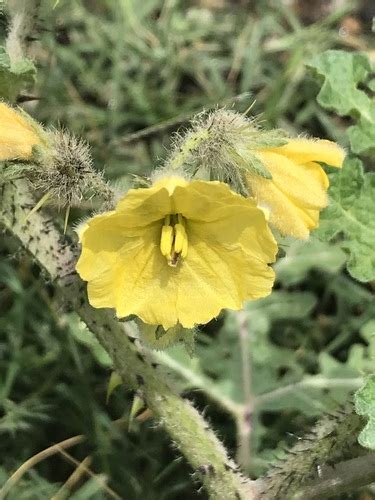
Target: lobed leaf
column 13, row 76
column 365, row 405
column 343, row 72
column 348, row 216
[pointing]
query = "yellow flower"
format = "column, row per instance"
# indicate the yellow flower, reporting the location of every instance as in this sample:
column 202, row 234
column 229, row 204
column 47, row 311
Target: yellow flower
column 298, row 188
column 177, row 253
column 17, row 135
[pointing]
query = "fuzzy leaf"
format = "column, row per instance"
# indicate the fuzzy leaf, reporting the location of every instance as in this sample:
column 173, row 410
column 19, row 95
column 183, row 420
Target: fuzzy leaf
column 352, row 201
column 303, row 256
column 13, row 170
column 342, row 73
column 365, row 405
column 158, row 338
column 14, row 76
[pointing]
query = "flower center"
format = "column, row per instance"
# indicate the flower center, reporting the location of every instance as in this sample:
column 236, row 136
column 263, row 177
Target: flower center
column 173, row 240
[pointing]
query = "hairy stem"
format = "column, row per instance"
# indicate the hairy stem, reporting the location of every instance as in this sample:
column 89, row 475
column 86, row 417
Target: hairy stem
column 24, row 16
column 332, row 439
column 188, row 430
column 344, row 477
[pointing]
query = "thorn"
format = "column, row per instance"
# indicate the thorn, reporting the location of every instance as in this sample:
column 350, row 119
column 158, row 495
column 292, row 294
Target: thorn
column 40, row 203
column 26, row 98
column 67, row 213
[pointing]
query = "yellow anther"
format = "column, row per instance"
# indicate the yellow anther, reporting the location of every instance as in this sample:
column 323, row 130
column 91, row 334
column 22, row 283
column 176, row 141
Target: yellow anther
column 184, row 250
column 180, row 238
column 166, row 240
column 173, row 240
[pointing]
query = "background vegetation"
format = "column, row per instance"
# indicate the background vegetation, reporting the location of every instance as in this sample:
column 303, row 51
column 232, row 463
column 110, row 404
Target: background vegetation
column 125, row 75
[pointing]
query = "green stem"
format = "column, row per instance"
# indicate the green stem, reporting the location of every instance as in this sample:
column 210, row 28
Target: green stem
column 186, row 427
column 333, row 438
column 343, row 478
column 24, row 16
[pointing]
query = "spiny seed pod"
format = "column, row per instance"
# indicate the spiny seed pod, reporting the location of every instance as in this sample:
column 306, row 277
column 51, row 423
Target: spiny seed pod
column 64, row 170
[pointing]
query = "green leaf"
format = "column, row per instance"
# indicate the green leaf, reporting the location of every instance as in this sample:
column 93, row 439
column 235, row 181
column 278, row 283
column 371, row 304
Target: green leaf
column 365, row 405
column 82, row 335
column 158, row 338
column 13, row 76
column 342, row 73
column 114, row 381
column 13, row 170
column 349, row 217
column 303, row 256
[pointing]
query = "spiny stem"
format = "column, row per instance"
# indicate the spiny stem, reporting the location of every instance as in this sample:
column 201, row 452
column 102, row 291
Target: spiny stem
column 344, row 478
column 186, row 427
column 333, row 438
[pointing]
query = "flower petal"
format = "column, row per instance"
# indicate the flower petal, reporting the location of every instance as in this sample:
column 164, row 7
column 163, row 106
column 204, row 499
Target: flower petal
column 305, row 184
column 194, row 292
column 207, row 201
column 306, row 150
column 294, row 196
column 285, row 215
column 144, row 205
column 226, row 261
column 17, row 136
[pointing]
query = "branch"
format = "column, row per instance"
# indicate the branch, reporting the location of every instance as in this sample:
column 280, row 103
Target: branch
column 314, row 381
column 333, row 438
column 24, row 16
column 344, row 477
column 244, row 418
column 186, row 427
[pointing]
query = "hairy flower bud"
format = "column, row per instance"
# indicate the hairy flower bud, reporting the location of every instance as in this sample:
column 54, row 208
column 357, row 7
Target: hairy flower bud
column 222, row 143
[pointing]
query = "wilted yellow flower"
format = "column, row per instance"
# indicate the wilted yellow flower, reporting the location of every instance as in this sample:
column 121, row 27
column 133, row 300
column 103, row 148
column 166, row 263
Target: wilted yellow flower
column 17, row 135
column 177, row 253
column 282, row 174
column 298, row 188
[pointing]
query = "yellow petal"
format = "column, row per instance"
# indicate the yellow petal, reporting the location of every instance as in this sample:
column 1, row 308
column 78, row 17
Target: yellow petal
column 285, row 215
column 208, row 280
column 145, row 205
column 307, row 150
column 17, row 136
column 294, row 196
column 226, row 262
column 305, row 184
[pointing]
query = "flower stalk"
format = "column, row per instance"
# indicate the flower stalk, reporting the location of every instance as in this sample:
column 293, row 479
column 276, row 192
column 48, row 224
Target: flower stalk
column 186, row 427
